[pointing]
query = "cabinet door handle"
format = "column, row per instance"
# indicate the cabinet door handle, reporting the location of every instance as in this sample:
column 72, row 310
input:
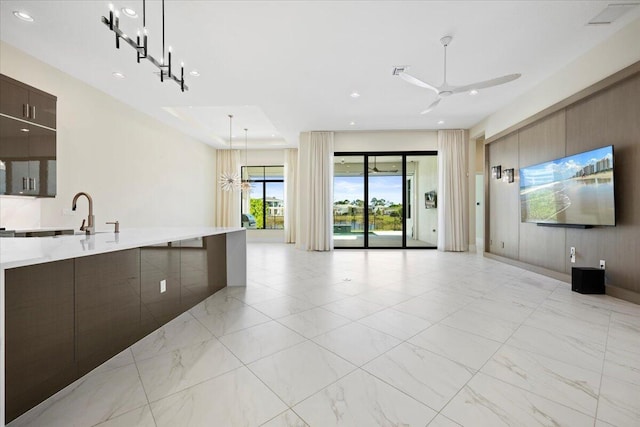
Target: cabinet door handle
column 25, row 110
column 32, row 184
column 33, row 112
column 25, row 185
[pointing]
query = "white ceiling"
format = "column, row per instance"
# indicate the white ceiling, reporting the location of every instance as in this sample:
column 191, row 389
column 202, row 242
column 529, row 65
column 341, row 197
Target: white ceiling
column 290, row 66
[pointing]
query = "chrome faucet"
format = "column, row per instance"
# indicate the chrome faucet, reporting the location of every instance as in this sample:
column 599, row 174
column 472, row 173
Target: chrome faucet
column 89, row 228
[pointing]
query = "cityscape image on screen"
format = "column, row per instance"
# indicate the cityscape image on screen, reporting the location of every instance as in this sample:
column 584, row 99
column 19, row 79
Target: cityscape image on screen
column 574, row 190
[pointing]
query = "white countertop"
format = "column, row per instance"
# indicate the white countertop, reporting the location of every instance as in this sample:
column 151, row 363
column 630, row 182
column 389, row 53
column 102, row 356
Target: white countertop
column 22, row 251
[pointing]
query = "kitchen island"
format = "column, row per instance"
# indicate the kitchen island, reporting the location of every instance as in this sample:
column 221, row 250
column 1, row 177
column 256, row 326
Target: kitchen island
column 71, row 302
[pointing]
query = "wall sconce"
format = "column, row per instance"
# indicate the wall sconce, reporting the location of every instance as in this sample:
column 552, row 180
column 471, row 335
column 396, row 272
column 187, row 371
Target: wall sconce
column 508, row 175
column 496, row 172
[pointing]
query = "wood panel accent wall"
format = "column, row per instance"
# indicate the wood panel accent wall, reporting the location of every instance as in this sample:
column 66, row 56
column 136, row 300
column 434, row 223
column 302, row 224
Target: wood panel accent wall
column 610, row 116
column 504, row 202
column 538, row 143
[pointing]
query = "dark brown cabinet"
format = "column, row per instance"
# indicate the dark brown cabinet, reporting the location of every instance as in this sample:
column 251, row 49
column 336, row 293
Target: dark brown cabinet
column 65, row 318
column 175, row 276
column 27, row 140
column 28, row 156
column 40, row 351
column 203, row 271
column 27, row 103
column 160, row 284
column 107, row 288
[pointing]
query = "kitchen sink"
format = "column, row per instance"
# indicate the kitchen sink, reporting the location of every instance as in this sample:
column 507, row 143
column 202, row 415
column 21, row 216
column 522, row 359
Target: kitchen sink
column 43, row 233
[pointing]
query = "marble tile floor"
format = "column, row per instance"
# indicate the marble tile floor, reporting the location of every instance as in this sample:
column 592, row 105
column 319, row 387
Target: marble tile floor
column 372, row 338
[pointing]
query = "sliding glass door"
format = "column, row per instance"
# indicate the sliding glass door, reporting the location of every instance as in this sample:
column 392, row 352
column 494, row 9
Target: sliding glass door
column 385, row 200
column 349, row 202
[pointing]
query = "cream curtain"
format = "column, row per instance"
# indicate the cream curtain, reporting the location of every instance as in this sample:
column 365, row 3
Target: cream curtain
column 453, row 193
column 315, row 192
column 290, row 190
column 227, row 202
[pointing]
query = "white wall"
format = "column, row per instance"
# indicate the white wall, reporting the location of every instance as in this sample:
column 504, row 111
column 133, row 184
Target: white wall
column 427, row 181
column 263, row 157
column 612, row 55
column 137, row 170
column 410, row 140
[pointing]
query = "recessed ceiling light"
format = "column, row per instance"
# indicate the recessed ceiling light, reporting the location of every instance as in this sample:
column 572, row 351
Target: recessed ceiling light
column 355, row 95
column 24, row 130
column 22, row 15
column 118, row 75
column 440, row 122
column 195, row 73
column 473, row 92
column 127, row 11
column 273, row 135
column 352, row 123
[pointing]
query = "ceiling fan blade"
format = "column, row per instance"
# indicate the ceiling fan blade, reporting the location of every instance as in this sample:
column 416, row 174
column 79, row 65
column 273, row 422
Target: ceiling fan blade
column 414, row 81
column 433, row 105
column 487, row 83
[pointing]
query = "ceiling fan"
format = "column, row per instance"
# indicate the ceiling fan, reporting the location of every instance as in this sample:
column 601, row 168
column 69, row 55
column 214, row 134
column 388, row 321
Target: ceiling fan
column 375, row 169
column 445, row 89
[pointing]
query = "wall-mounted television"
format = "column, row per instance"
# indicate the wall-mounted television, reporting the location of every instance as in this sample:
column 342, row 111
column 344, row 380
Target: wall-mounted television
column 577, row 190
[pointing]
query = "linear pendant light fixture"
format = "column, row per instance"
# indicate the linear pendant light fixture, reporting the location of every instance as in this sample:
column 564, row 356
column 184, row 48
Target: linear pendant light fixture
column 230, row 180
column 113, row 23
column 246, row 185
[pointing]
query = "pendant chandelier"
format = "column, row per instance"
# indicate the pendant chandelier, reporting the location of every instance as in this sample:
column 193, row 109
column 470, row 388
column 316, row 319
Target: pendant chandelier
column 246, row 185
column 230, row 180
column 113, row 23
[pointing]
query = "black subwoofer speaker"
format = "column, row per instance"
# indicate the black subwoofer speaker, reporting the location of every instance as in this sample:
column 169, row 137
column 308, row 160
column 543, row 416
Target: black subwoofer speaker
column 587, row 280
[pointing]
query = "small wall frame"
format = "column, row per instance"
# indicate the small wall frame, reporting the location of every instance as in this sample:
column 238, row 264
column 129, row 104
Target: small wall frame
column 508, row 175
column 430, row 200
column 496, row 172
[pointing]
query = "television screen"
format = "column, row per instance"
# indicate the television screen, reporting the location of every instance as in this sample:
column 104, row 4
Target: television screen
column 574, row 190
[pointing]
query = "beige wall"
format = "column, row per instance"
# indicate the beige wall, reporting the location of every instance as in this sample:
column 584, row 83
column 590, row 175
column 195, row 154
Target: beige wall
column 615, row 53
column 138, row 170
column 608, row 117
column 479, row 161
column 427, row 175
column 263, row 157
column 417, row 140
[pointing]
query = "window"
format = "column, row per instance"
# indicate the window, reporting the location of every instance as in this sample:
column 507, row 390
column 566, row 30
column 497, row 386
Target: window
column 263, row 206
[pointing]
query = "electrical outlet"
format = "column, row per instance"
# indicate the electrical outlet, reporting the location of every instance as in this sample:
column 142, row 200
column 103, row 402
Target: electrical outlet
column 602, row 264
column 572, row 251
column 163, row 286
column 572, row 255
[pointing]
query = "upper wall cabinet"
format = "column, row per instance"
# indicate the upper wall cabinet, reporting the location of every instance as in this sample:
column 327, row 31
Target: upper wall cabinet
column 27, row 140
column 24, row 102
